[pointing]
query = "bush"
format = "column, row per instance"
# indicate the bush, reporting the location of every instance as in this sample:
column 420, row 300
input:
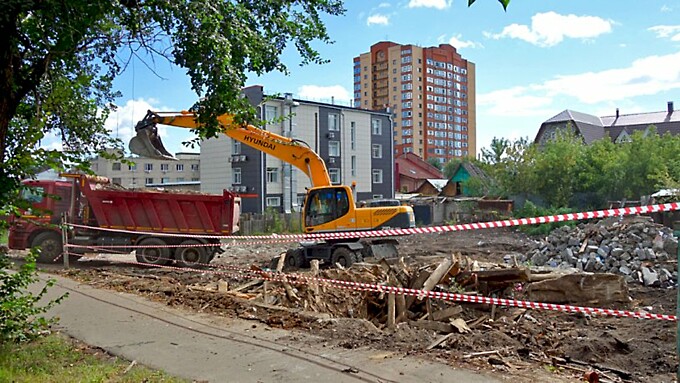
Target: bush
column 531, row 210
column 21, row 317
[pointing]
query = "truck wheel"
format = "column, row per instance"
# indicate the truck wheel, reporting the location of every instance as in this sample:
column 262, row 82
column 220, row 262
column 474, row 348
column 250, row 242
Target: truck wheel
column 344, row 257
column 153, row 255
column 50, row 246
column 191, row 255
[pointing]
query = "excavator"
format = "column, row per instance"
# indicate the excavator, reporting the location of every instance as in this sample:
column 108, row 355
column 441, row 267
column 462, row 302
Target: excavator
column 327, row 208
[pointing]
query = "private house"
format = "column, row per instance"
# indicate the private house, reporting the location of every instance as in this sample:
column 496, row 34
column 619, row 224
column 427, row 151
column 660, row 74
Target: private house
column 464, row 172
column 412, row 172
column 618, row 127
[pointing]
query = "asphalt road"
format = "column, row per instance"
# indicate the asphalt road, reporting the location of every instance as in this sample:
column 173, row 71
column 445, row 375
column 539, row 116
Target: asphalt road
column 218, row 349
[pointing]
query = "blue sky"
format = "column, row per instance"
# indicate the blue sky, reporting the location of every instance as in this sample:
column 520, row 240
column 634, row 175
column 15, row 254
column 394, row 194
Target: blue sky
column 533, row 61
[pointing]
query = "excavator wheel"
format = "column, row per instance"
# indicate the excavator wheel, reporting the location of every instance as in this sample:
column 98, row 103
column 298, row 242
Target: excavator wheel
column 50, row 246
column 153, row 255
column 191, row 255
column 344, row 257
column 295, row 258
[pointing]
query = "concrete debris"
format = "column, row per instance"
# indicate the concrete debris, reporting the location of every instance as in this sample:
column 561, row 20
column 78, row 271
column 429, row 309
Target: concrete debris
column 634, row 247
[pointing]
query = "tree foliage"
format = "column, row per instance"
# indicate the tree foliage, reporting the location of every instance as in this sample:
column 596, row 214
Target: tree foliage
column 564, row 172
column 58, row 60
column 21, row 311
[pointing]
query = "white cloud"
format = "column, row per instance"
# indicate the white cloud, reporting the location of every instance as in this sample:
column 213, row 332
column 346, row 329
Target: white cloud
column 665, row 8
column 458, row 42
column 645, row 76
column 324, row 93
column 438, row 4
column 664, row 31
column 384, row 5
column 517, row 101
column 378, row 19
column 550, row 28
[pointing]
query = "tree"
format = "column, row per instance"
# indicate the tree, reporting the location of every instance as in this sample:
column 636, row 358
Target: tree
column 58, row 60
column 496, row 150
column 434, row 162
column 504, row 3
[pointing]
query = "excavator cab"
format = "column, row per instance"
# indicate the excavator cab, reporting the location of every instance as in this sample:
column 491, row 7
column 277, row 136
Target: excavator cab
column 324, row 206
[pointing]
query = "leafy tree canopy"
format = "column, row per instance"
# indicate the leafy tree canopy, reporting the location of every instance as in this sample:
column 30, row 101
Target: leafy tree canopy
column 58, row 60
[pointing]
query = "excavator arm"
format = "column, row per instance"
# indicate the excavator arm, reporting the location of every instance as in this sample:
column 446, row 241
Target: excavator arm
column 148, row 143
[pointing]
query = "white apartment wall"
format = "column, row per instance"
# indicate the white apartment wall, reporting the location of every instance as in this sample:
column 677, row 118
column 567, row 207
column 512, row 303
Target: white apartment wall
column 137, row 178
column 362, row 150
column 215, row 167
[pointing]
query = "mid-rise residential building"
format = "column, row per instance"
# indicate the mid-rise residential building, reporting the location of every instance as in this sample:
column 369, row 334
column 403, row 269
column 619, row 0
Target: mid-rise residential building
column 355, row 144
column 431, row 93
column 145, row 172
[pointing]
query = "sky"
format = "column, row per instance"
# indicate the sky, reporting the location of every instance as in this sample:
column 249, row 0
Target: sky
column 533, row 61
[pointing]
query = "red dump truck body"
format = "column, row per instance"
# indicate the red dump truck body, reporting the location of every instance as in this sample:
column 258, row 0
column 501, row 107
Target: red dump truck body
column 138, row 217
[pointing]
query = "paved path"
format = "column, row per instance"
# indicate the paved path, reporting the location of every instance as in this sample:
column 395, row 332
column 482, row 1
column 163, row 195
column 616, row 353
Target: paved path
column 215, row 349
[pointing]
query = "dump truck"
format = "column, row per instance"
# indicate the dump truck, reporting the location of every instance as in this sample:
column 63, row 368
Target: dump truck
column 328, row 207
column 110, row 219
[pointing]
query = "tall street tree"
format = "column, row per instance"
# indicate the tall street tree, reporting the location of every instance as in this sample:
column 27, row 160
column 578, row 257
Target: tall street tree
column 58, row 60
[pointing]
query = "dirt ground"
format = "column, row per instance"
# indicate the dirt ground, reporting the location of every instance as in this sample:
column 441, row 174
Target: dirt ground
column 527, row 344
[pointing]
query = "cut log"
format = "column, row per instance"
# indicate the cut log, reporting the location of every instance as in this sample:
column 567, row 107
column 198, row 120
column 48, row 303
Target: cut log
column 504, row 275
column 584, row 289
column 417, row 284
column 439, row 273
column 246, row 285
column 442, row 315
column 391, row 311
column 314, row 265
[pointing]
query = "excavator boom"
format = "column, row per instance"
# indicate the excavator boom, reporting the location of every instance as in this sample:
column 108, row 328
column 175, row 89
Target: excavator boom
column 147, row 142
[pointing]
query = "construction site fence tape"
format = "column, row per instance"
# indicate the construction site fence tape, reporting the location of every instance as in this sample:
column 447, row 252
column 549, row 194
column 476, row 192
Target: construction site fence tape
column 633, row 210
column 380, row 288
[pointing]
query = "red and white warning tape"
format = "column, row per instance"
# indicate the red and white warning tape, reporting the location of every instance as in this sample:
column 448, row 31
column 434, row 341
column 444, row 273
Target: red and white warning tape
column 423, row 230
column 443, row 295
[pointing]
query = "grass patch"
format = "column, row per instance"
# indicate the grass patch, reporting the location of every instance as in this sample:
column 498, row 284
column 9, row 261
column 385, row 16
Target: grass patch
column 56, row 358
column 4, row 234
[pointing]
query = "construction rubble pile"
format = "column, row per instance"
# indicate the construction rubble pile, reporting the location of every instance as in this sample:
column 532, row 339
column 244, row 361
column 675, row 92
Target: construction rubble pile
column 636, row 248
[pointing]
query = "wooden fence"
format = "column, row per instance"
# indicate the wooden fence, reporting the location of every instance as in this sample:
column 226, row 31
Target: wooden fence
column 254, row 224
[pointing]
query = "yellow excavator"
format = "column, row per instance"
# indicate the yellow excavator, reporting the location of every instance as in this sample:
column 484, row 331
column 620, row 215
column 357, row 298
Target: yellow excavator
column 327, row 208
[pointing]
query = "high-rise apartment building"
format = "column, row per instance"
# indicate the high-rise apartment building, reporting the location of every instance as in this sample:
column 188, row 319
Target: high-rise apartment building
column 431, row 93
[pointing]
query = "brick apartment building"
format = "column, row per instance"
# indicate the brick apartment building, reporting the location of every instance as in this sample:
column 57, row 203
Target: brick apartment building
column 431, row 93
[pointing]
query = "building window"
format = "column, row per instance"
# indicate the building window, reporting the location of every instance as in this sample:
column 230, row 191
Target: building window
column 376, row 151
column 334, row 173
column 116, row 181
column 116, row 166
column 148, row 181
column 236, row 176
column 195, row 179
column 132, row 167
column 236, row 149
column 180, row 167
column 334, row 148
column 377, row 176
column 272, row 175
column 194, row 167
column 180, row 179
column 353, row 135
column 164, row 167
column 271, row 112
column 165, row 180
column 333, row 122
column 148, row 167
column 376, row 127
column 353, row 166
column 273, row 201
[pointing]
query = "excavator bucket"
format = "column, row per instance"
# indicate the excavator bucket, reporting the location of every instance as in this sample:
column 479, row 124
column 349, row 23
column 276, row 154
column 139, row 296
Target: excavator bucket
column 147, row 142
